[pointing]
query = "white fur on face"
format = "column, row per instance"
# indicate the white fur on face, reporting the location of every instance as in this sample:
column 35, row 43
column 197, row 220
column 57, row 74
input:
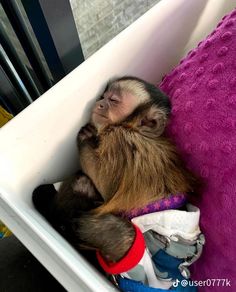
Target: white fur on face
column 118, row 102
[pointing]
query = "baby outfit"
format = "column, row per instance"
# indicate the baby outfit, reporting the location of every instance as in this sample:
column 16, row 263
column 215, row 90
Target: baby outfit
column 168, row 240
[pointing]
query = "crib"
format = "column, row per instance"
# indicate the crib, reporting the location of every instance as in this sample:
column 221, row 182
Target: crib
column 38, row 145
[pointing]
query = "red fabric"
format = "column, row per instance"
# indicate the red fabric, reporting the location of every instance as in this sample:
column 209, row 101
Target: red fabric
column 130, row 260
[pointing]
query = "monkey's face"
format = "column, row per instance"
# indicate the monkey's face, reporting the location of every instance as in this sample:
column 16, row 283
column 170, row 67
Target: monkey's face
column 113, row 107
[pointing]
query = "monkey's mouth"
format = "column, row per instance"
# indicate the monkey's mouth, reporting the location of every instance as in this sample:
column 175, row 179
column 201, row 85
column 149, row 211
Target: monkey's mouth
column 99, row 114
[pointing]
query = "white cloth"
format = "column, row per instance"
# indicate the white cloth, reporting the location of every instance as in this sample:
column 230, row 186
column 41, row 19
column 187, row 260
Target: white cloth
column 169, row 223
column 172, row 222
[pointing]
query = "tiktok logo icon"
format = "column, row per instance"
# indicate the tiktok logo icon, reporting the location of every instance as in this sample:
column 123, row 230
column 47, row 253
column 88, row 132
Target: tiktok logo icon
column 176, row 283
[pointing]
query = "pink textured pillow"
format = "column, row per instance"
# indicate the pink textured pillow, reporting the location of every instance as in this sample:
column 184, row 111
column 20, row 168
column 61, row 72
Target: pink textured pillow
column 203, row 125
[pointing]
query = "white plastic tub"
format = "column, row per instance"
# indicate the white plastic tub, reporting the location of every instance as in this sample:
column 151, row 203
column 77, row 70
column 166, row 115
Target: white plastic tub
column 38, row 146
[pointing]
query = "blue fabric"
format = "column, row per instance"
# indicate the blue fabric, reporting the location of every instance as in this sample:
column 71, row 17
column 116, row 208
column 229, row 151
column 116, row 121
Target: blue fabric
column 164, row 263
column 167, row 263
column 127, row 285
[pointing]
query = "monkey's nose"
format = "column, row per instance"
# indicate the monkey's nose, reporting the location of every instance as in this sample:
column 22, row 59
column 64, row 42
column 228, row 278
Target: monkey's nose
column 101, row 106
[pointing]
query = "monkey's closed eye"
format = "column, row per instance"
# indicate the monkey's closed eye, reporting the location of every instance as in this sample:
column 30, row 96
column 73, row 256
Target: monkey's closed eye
column 114, row 99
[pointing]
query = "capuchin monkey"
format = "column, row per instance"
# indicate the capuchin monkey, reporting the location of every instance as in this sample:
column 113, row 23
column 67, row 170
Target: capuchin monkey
column 126, row 163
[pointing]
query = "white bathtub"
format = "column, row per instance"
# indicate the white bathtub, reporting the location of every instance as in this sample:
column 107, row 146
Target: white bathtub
column 38, row 146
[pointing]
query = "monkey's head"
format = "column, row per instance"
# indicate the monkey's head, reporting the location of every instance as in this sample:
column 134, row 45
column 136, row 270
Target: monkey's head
column 126, row 96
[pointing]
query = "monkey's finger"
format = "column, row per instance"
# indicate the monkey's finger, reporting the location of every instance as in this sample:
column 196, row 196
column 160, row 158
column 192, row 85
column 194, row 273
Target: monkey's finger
column 83, row 133
column 91, row 127
column 88, row 133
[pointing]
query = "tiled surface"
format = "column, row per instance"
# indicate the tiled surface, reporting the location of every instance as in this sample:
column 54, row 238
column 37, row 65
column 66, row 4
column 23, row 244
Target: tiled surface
column 98, row 21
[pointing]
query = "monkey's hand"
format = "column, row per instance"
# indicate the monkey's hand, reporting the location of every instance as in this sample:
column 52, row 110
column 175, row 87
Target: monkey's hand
column 111, row 235
column 85, row 133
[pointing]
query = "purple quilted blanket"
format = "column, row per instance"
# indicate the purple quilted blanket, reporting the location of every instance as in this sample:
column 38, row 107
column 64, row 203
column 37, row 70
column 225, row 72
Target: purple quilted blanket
column 203, row 125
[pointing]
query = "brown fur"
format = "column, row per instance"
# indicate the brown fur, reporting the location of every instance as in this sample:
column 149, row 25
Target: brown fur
column 99, row 231
column 133, row 168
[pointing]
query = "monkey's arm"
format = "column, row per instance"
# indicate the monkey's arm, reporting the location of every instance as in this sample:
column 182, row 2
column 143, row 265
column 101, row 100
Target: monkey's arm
column 103, row 163
column 115, row 239
column 76, row 194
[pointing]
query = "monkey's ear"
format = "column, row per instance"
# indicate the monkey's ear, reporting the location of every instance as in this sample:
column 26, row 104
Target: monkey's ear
column 153, row 123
